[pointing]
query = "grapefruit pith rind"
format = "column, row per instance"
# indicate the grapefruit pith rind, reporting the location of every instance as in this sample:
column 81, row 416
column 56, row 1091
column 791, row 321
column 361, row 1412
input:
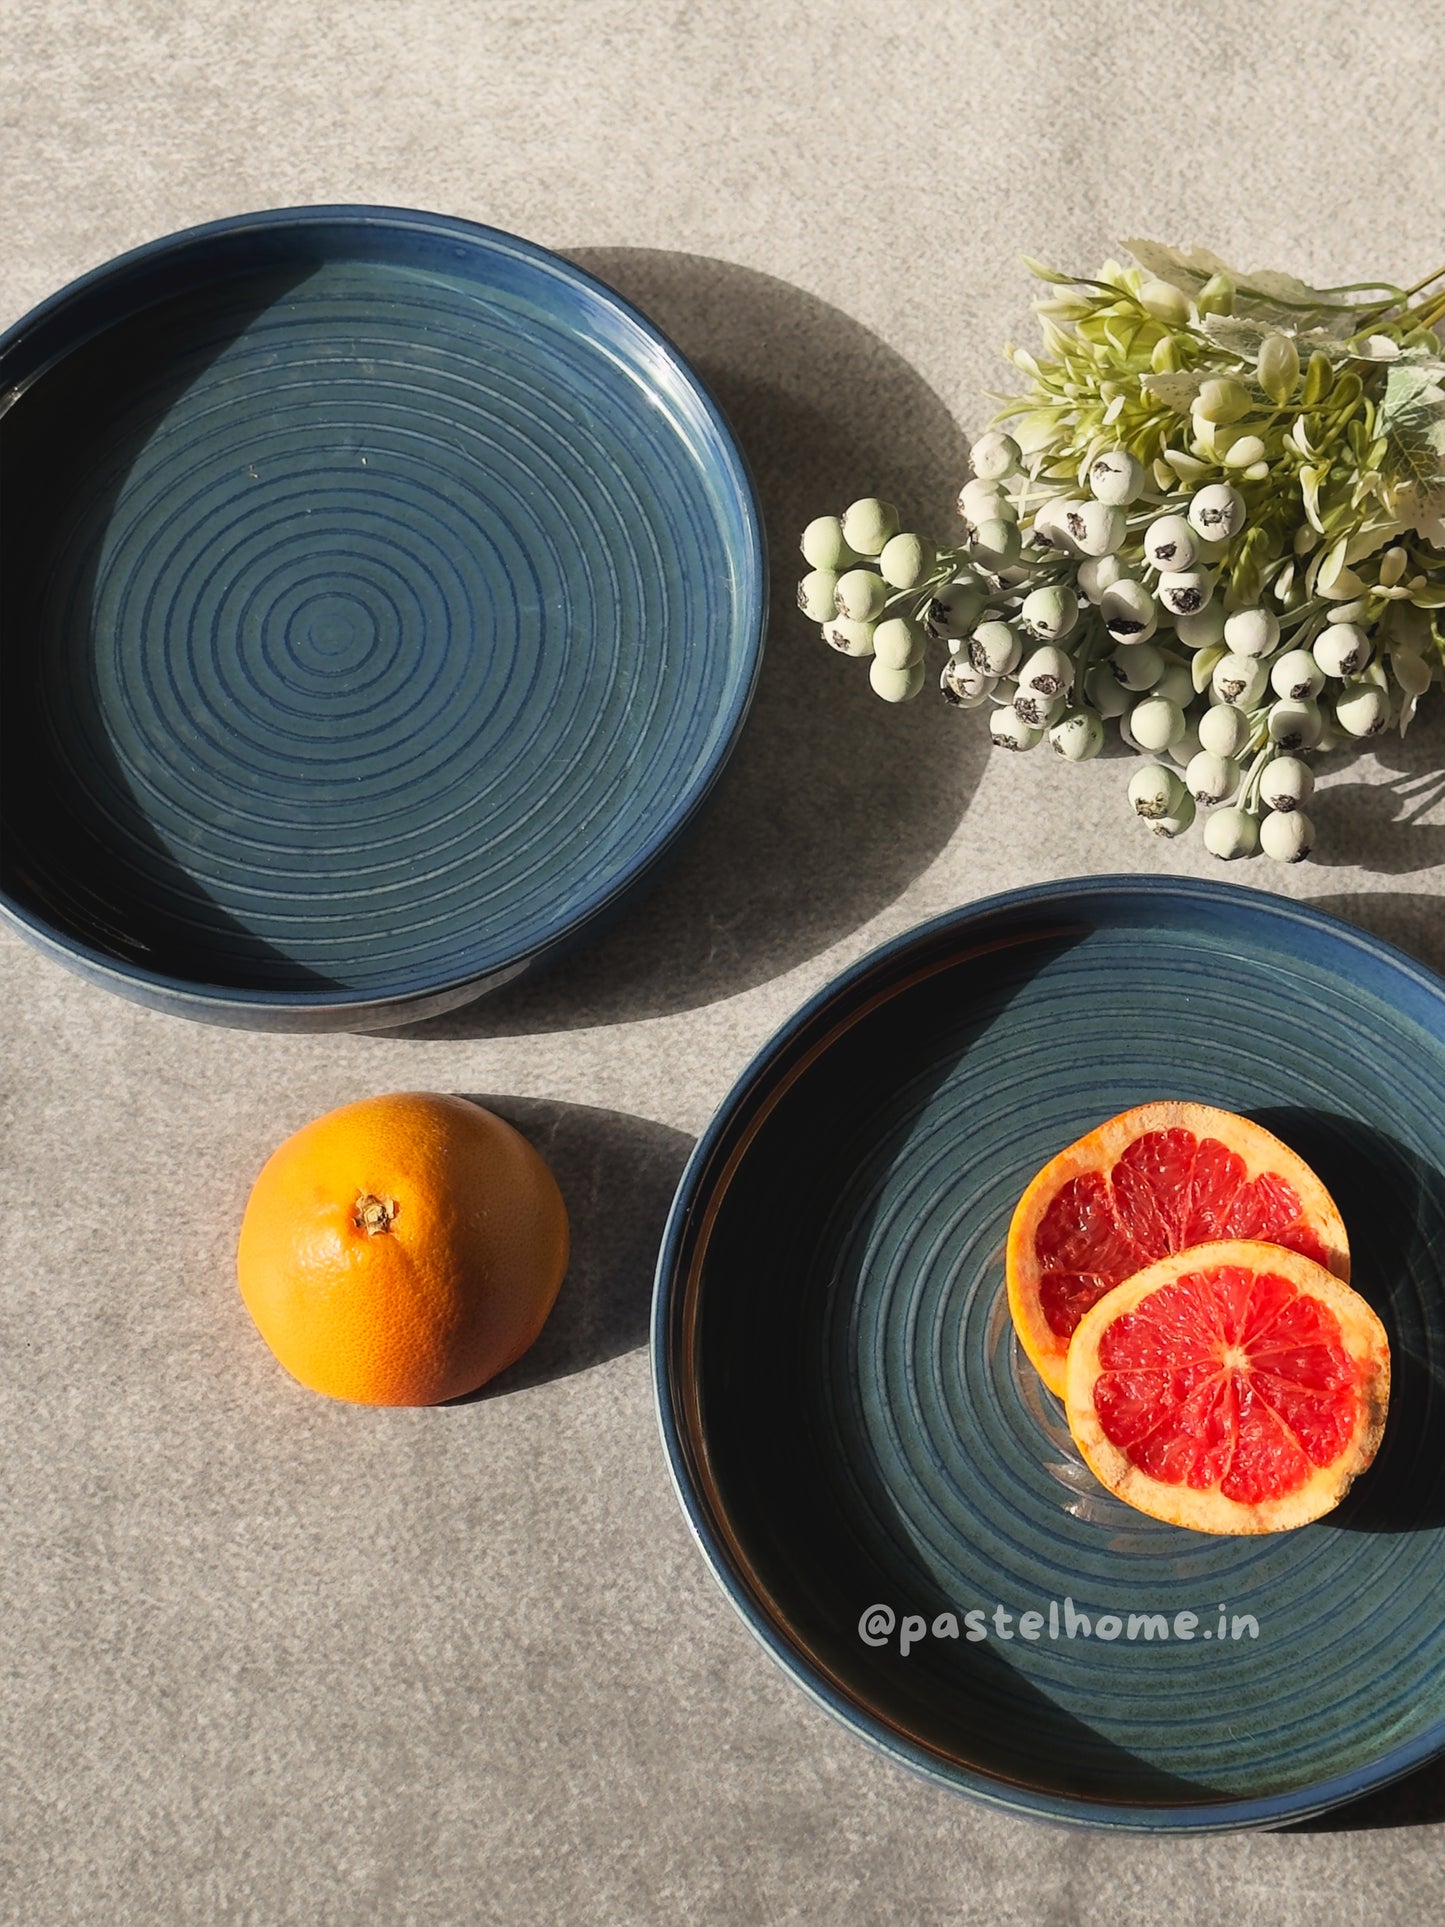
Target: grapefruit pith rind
column 1150, row 1181
column 1233, row 1388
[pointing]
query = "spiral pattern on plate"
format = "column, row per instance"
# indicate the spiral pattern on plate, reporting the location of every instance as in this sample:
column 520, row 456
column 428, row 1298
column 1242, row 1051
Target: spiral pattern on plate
column 387, row 614
column 946, row 1468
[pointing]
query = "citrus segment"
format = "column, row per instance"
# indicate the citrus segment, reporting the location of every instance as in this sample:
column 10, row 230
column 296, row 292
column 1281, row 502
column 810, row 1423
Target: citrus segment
column 1236, row 1387
column 1149, row 1182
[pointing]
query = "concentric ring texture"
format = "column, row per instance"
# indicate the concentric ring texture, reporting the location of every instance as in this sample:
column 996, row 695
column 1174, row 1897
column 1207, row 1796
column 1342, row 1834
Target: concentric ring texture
column 852, row 1423
column 382, row 595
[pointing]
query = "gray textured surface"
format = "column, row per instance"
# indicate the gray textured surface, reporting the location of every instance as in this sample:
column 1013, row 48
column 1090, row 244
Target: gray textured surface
column 268, row 1659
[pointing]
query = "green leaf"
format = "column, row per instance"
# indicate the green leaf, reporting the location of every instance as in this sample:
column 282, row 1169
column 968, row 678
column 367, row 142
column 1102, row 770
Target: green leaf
column 1243, row 335
column 1056, row 340
column 1036, row 431
column 1187, row 467
column 1275, row 299
column 1186, row 268
column 1332, row 565
column 1236, row 334
column 1121, row 336
column 1310, row 478
column 1176, row 391
column 1246, row 577
column 1413, row 405
column 1411, row 421
column 1344, row 587
column 1369, row 540
column 1203, row 665
column 1069, row 307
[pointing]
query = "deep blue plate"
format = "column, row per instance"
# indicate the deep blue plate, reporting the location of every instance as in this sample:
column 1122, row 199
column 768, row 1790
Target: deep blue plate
column 853, row 1430
column 381, row 599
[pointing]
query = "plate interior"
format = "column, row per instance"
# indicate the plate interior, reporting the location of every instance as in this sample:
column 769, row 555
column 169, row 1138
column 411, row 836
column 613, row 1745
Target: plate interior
column 374, row 604
column 866, row 1432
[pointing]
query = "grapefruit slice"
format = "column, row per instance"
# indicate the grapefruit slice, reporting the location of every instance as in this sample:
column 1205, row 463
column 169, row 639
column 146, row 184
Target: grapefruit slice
column 1237, row 1387
column 1149, row 1182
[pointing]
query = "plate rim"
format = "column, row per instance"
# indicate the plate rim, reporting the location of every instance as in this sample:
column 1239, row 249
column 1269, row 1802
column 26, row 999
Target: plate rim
column 750, row 1090
column 207, row 998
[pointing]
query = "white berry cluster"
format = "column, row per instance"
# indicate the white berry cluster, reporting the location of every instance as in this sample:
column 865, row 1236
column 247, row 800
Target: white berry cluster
column 1195, row 535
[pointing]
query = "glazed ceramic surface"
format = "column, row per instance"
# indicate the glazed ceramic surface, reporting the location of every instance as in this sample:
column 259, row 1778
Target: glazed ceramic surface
column 863, row 1450
column 382, row 597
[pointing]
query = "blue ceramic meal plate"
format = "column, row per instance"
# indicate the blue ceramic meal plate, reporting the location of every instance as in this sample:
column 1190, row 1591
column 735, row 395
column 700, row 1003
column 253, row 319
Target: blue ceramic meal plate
column 382, row 597
column 867, row 1458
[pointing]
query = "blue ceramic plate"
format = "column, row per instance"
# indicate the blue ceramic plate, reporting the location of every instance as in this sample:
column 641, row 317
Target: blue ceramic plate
column 863, row 1451
column 381, row 598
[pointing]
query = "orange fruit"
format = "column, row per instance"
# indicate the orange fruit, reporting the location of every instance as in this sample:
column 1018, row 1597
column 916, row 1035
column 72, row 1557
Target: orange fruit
column 402, row 1250
column 1149, row 1182
column 1237, row 1387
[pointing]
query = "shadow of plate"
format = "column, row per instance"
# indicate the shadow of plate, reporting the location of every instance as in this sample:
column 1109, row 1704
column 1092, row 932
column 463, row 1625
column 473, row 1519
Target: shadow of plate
column 1416, row 1801
column 834, row 802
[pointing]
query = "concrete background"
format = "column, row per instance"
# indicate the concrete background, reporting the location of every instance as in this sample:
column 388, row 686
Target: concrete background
column 263, row 1658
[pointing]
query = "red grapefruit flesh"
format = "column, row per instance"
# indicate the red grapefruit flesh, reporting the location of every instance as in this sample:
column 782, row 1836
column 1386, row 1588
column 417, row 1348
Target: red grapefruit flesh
column 1233, row 1388
column 1148, row 1183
